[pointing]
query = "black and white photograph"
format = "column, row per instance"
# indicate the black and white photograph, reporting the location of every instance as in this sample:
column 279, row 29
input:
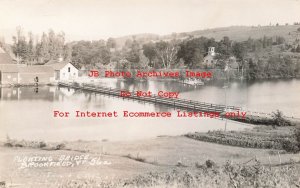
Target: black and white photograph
column 149, row 93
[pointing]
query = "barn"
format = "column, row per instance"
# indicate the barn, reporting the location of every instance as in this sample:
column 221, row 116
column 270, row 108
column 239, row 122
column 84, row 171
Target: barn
column 12, row 73
column 9, row 74
column 8, row 70
column 37, row 74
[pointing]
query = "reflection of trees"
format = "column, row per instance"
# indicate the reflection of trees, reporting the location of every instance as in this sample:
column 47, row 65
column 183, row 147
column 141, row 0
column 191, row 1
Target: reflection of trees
column 93, row 99
column 35, row 93
column 87, row 99
column 136, row 85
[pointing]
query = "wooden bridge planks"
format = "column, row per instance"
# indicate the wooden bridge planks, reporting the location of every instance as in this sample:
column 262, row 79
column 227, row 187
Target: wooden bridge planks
column 175, row 103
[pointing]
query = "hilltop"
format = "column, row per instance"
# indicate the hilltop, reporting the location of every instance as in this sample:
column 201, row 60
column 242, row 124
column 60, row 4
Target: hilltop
column 236, row 33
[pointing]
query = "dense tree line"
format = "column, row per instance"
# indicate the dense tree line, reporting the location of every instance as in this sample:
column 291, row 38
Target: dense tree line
column 90, row 53
column 32, row 49
column 167, row 54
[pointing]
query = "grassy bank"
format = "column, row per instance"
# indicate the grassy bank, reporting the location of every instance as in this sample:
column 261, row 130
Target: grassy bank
column 284, row 138
column 207, row 175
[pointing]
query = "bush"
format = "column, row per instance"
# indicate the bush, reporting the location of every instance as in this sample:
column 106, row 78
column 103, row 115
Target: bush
column 290, row 146
column 279, row 119
column 8, row 144
column 42, row 145
column 60, row 146
column 297, row 135
column 210, row 163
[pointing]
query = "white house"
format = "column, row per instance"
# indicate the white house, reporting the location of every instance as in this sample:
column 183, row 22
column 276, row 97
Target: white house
column 209, row 59
column 63, row 70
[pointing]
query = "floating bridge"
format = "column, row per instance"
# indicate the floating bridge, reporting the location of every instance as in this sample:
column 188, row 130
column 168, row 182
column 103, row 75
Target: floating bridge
column 176, row 103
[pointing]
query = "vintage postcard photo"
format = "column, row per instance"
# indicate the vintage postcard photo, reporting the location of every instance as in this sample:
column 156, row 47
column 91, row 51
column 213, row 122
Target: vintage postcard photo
column 149, row 93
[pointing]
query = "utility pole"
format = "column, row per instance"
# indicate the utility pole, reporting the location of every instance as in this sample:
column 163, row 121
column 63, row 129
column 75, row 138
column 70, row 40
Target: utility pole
column 225, row 88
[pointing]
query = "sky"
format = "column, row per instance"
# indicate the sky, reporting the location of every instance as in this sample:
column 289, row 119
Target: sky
column 100, row 19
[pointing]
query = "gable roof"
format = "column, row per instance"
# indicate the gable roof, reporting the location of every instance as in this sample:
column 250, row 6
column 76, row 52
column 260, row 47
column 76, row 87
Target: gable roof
column 36, row 69
column 56, row 65
column 9, row 68
column 59, row 66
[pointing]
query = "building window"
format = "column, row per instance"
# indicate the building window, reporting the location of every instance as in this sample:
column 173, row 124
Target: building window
column 69, row 69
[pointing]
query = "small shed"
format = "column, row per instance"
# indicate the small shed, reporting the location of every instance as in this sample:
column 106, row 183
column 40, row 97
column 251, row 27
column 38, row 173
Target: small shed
column 64, row 70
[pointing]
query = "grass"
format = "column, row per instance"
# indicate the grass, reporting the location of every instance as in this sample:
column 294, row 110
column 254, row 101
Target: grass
column 179, row 162
column 206, row 175
column 250, row 139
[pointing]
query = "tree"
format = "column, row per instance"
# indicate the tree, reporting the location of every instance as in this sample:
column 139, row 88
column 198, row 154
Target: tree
column 298, row 49
column 279, row 119
column 128, row 44
column 31, row 48
column 197, row 57
column 150, row 53
column 111, row 43
column 20, row 47
column 166, row 53
column 253, row 70
column 67, row 52
column 133, row 54
column 239, row 51
column 43, row 49
column 90, row 53
column 56, row 44
column 192, row 51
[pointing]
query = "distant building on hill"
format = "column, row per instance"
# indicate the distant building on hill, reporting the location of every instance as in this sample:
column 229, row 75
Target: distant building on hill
column 209, row 59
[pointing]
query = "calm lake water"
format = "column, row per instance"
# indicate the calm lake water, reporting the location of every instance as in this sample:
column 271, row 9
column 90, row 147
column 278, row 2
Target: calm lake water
column 27, row 112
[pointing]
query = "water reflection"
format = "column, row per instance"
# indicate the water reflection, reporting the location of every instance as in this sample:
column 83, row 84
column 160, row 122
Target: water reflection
column 27, row 112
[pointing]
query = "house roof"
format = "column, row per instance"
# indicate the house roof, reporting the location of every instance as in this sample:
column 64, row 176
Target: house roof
column 9, row 68
column 36, row 69
column 56, row 65
column 5, row 58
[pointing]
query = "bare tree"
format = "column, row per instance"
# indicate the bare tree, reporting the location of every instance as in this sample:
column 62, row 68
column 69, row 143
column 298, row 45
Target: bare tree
column 166, row 53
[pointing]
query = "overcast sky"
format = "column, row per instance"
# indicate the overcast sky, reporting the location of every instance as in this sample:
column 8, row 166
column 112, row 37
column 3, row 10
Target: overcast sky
column 95, row 19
